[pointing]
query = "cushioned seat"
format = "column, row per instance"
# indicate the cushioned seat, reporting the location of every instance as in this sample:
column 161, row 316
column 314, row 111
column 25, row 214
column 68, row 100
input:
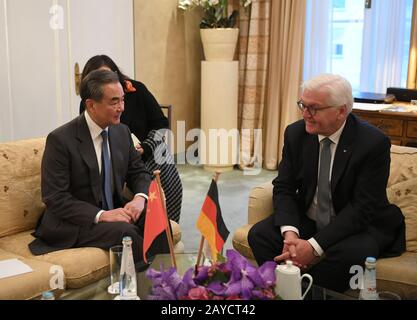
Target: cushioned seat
column 176, row 235
column 399, row 269
column 240, row 241
column 399, row 274
column 28, row 285
column 82, row 265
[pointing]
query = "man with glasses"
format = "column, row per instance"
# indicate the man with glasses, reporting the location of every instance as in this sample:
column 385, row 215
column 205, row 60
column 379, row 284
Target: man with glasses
column 330, row 205
column 85, row 166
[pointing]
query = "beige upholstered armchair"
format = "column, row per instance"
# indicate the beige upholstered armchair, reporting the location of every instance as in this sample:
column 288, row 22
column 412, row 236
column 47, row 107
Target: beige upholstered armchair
column 397, row 274
column 20, row 208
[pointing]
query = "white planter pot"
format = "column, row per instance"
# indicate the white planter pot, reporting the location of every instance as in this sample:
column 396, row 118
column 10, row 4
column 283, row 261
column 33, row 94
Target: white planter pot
column 219, row 44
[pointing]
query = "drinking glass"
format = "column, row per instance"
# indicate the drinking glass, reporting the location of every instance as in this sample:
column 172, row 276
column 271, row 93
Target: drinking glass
column 115, row 253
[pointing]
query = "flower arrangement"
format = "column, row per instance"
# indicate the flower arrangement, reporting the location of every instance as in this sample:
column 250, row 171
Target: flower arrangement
column 234, row 279
column 215, row 12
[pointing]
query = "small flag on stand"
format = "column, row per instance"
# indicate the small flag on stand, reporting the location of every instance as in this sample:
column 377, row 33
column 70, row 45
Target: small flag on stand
column 155, row 221
column 210, row 222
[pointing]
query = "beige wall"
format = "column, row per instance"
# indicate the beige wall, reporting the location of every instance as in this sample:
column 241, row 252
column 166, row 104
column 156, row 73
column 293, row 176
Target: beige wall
column 168, row 53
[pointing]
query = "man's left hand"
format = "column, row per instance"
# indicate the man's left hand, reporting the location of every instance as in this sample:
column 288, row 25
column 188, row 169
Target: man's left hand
column 135, row 207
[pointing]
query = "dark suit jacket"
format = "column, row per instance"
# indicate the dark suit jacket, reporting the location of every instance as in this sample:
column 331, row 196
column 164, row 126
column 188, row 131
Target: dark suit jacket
column 358, row 185
column 71, row 183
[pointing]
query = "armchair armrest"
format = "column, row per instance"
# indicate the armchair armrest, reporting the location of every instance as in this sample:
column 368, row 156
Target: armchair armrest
column 259, row 207
column 260, row 202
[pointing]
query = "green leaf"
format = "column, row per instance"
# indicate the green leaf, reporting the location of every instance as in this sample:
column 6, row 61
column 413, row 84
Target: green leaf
column 220, row 276
column 218, row 14
column 221, row 258
column 232, row 21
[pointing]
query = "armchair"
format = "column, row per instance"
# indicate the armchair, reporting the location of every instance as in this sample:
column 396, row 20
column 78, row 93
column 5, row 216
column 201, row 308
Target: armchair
column 398, row 274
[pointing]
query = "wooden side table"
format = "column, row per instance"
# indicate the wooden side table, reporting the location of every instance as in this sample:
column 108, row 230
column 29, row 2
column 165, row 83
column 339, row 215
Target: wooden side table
column 400, row 127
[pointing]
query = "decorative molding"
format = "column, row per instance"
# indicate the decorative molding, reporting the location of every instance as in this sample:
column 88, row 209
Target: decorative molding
column 133, row 38
column 8, row 63
column 58, row 74
column 71, row 86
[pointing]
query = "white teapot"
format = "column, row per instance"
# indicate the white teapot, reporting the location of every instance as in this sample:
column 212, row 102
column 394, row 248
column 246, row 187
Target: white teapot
column 288, row 281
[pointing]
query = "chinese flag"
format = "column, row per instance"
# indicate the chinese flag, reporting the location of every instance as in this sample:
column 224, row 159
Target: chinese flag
column 210, row 222
column 155, row 221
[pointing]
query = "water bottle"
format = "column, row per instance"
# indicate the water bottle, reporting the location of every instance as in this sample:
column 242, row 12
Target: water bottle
column 368, row 292
column 127, row 281
column 47, row 295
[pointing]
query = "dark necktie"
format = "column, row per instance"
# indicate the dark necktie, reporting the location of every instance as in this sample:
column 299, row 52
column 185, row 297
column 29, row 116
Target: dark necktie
column 106, row 171
column 324, row 204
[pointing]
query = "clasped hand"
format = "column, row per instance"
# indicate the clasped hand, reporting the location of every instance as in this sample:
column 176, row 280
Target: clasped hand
column 139, row 148
column 130, row 213
column 299, row 251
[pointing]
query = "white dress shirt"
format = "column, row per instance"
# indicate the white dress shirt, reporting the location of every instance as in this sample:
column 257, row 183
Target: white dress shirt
column 95, row 132
column 312, row 211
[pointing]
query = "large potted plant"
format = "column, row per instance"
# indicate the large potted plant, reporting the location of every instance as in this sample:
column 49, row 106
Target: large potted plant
column 218, row 29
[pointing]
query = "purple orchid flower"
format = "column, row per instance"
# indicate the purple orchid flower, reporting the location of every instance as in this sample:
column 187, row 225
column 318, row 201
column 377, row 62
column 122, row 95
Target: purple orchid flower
column 186, row 284
column 162, row 293
column 267, row 273
column 242, row 287
column 217, row 287
column 158, row 277
column 202, row 274
column 244, row 276
column 264, row 294
column 165, row 284
column 235, row 279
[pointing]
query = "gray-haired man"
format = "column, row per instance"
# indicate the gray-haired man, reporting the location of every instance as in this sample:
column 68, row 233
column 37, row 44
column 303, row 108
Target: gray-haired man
column 330, row 205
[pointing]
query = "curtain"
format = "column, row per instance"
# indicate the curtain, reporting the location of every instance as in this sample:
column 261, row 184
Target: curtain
column 382, row 49
column 318, row 21
column 412, row 66
column 253, row 62
column 285, row 74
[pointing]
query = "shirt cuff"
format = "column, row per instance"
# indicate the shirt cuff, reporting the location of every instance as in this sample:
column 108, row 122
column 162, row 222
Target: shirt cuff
column 98, row 216
column 316, row 246
column 289, row 228
column 142, row 195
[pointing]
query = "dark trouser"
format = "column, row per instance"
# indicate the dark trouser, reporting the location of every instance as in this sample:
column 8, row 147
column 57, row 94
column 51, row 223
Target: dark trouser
column 107, row 234
column 332, row 272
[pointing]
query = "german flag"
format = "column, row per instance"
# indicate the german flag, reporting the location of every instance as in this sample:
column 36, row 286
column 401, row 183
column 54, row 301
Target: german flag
column 210, row 222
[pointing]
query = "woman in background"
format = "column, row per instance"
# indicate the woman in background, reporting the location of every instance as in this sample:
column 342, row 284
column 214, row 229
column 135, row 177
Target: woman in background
column 144, row 117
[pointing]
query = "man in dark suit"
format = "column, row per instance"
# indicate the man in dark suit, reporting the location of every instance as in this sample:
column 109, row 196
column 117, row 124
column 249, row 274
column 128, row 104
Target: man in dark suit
column 84, row 168
column 330, row 205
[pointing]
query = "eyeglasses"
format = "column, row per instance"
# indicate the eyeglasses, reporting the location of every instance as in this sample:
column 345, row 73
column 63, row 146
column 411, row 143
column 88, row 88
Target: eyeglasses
column 311, row 109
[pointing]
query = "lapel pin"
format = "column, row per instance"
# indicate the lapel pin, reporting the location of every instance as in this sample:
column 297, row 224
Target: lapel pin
column 344, row 150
